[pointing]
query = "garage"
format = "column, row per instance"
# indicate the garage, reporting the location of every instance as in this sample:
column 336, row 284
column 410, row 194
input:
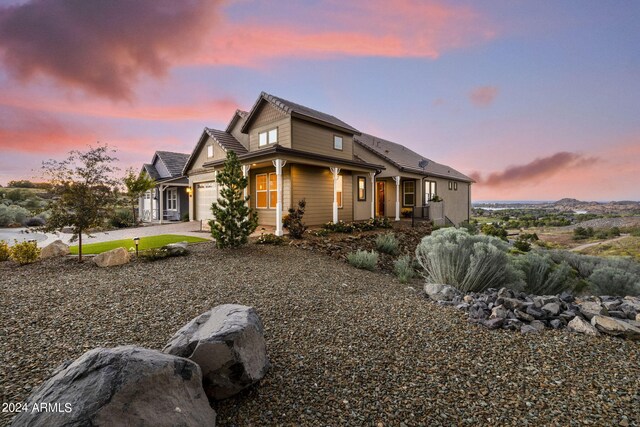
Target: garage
column 205, row 195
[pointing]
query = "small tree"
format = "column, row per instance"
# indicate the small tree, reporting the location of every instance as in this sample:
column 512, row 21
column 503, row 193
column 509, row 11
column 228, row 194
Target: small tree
column 84, row 191
column 137, row 185
column 293, row 221
column 233, row 220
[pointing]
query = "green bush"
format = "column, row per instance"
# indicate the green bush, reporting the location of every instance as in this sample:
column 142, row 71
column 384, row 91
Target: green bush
column 25, row 252
column 293, row 220
column 363, row 259
column 542, row 276
column 122, row 218
column 403, row 268
column 5, row 251
column 614, row 281
column 581, row 233
column 387, row 243
column 471, row 228
column 495, row 231
column 270, row 239
column 155, row 254
column 470, row 263
column 522, row 245
column 13, row 214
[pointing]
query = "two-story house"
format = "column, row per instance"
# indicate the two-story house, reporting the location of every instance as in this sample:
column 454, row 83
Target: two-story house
column 291, row 152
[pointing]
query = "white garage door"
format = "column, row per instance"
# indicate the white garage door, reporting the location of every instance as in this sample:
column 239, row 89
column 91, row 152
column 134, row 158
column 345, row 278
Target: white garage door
column 206, row 193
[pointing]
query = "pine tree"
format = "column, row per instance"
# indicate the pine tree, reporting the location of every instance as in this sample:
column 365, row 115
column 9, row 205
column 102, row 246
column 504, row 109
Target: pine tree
column 233, row 220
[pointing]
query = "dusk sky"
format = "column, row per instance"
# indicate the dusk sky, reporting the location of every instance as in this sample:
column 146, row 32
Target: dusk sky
column 537, row 100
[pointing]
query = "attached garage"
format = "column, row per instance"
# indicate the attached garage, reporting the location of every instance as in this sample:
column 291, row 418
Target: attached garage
column 205, row 194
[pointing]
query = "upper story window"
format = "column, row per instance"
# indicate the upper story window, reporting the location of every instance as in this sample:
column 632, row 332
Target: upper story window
column 268, row 137
column 337, row 142
column 362, row 188
column 209, row 151
column 453, row 185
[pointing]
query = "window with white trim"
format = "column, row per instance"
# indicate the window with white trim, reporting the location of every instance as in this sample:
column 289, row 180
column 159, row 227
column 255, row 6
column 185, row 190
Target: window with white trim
column 337, row 142
column 266, row 190
column 273, row 190
column 172, row 199
column 339, row 191
column 408, row 193
column 209, row 151
column 268, row 137
column 450, row 185
column 430, row 190
column 455, row 186
column 362, row 188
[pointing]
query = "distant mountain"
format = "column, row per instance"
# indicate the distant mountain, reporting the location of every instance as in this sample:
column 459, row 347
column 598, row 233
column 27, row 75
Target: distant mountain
column 567, row 201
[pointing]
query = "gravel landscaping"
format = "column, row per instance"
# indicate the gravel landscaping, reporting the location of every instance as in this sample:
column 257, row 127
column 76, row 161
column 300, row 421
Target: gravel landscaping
column 347, row 347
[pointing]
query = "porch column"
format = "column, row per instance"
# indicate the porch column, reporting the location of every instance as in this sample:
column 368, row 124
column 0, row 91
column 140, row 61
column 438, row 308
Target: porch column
column 397, row 180
column 245, row 173
column 279, row 164
column 335, row 172
column 160, row 196
column 373, row 194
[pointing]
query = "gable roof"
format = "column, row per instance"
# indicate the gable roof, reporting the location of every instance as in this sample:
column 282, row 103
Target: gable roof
column 406, row 159
column 174, row 162
column 151, row 171
column 224, row 139
column 297, row 110
column 239, row 114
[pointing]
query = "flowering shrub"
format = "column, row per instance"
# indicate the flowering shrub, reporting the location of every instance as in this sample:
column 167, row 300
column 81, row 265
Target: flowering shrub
column 270, row 239
column 5, row 252
column 25, row 252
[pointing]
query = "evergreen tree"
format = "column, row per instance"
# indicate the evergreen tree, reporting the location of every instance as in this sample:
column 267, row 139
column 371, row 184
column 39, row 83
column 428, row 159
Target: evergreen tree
column 233, row 220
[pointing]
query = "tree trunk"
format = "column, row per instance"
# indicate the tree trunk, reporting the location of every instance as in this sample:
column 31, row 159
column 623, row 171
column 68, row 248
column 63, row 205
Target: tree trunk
column 80, row 246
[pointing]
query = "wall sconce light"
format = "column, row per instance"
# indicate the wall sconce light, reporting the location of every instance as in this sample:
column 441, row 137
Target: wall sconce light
column 136, row 240
column 189, row 191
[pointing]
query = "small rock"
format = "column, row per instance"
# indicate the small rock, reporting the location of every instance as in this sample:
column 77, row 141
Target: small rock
column 55, row 249
column 578, row 324
column 512, row 303
column 499, row 312
column 557, row 323
column 537, row 314
column 612, row 305
column 528, row 329
column 494, row 323
column 615, row 327
column 592, row 308
column 617, row 314
column 566, row 296
column 468, row 299
column 540, row 326
column 176, row 249
column 117, row 256
column 553, row 308
column 523, row 316
column 438, row 292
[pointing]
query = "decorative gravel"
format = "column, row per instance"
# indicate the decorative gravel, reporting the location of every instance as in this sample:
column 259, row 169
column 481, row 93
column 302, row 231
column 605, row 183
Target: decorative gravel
column 348, row 347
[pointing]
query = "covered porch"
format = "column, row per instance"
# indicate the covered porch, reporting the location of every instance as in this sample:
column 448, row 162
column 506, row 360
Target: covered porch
column 167, row 202
column 408, row 196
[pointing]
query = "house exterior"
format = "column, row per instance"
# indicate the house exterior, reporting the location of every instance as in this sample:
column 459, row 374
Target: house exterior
column 169, row 200
column 291, row 152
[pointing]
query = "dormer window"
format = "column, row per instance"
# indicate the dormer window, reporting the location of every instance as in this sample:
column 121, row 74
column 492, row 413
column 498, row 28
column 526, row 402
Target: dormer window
column 337, row 142
column 268, row 137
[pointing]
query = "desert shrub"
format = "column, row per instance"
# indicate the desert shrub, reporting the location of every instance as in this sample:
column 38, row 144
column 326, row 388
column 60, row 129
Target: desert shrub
column 387, row 243
column 472, row 228
column 403, row 268
column 12, row 214
column 607, row 233
column 5, row 251
column 270, row 239
column 470, row 263
column 293, row 220
column 614, row 281
column 25, row 252
column 581, row 233
column 35, row 221
column 522, row 245
column 494, row 230
column 531, row 237
column 585, row 265
column 542, row 276
column 155, row 254
column 363, row 259
column 121, row 218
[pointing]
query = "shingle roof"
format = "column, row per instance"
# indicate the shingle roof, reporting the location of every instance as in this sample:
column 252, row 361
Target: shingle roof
column 173, row 161
column 151, row 171
column 239, row 114
column 226, row 140
column 406, row 159
column 291, row 108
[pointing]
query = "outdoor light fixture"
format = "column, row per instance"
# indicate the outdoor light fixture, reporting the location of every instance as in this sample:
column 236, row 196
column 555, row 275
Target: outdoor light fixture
column 189, row 191
column 137, row 242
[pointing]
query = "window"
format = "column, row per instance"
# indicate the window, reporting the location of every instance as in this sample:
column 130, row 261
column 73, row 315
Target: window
column 268, row 137
column 450, row 185
column 262, row 191
column 455, row 186
column 339, row 191
column 409, row 193
column 362, row 188
column 430, row 190
column 273, row 190
column 172, row 199
column 266, row 190
column 337, row 142
column 209, row 151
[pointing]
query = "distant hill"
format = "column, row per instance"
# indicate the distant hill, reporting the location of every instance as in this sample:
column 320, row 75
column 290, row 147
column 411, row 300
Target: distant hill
column 570, row 204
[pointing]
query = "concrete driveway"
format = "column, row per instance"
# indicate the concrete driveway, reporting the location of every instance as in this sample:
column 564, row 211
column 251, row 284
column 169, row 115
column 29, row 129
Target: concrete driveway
column 182, row 228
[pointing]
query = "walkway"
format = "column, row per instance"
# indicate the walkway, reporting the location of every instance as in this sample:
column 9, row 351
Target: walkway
column 588, row 245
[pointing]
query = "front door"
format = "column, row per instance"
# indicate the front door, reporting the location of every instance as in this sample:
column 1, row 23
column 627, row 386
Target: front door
column 380, row 198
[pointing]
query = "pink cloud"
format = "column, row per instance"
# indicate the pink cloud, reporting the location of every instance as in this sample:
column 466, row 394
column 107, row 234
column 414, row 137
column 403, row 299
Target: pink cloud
column 483, row 96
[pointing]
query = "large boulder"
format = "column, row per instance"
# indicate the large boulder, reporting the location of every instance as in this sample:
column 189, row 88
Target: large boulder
column 55, row 249
column 438, row 292
column 117, row 256
column 176, row 249
column 122, row 386
column 615, row 327
column 578, row 324
column 592, row 308
column 228, row 344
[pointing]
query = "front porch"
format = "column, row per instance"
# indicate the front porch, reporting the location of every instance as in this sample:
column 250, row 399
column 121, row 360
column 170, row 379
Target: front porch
column 167, row 202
